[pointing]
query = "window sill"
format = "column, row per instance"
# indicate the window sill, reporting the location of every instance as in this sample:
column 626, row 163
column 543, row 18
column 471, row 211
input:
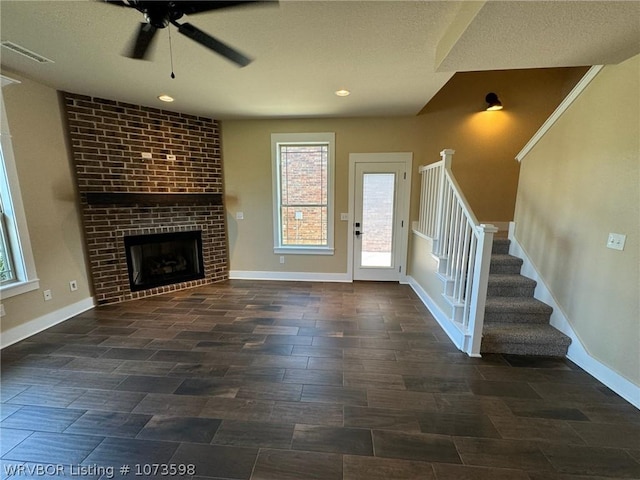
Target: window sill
column 303, row 250
column 18, row 288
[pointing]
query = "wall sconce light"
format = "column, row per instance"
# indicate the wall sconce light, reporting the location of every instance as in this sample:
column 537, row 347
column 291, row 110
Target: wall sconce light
column 493, row 102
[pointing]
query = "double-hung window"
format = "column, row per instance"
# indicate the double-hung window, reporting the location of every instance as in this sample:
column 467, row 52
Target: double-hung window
column 303, row 183
column 17, row 267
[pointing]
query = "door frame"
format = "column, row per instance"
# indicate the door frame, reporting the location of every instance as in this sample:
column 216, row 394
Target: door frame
column 404, row 202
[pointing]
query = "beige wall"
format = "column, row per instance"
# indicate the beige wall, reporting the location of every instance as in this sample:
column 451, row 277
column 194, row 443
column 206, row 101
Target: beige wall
column 485, row 143
column 580, row 182
column 44, row 169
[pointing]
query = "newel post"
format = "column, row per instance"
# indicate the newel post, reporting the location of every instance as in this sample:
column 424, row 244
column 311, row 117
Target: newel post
column 479, row 288
column 438, row 242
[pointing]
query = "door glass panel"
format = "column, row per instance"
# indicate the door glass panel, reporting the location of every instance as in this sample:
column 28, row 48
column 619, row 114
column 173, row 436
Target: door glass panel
column 378, row 195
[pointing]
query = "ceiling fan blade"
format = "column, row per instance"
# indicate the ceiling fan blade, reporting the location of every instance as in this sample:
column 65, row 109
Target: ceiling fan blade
column 140, row 46
column 214, row 44
column 189, row 8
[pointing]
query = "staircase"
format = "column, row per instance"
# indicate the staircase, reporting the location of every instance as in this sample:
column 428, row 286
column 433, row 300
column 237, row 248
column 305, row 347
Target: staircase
column 514, row 321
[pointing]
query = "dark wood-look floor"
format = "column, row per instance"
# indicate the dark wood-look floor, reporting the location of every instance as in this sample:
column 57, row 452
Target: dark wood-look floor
column 282, row 381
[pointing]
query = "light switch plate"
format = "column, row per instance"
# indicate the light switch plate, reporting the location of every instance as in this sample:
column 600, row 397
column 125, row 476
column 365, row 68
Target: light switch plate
column 344, row 217
column 616, row 241
column 239, row 215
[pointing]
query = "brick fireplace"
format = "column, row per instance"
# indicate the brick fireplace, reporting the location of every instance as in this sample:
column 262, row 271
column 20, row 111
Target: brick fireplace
column 175, row 188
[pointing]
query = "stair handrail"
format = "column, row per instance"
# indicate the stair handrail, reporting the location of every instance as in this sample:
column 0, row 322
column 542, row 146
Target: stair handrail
column 462, row 246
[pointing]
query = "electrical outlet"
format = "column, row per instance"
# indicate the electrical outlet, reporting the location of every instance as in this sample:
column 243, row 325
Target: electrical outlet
column 171, row 157
column 47, row 295
column 281, row 259
column 146, row 155
column 73, row 285
column 616, row 241
column 239, row 215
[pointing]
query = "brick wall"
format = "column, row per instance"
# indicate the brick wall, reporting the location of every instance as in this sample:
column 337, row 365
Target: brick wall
column 107, row 141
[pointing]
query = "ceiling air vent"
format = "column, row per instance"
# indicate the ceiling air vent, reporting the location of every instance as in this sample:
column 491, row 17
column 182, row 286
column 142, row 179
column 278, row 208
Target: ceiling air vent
column 25, row 52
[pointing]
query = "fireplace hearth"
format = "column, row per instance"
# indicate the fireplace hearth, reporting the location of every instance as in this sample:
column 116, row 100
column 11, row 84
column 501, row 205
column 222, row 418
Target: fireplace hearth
column 163, row 259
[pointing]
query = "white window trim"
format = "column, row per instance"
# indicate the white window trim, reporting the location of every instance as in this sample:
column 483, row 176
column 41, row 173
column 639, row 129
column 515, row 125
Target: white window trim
column 302, row 138
column 24, row 264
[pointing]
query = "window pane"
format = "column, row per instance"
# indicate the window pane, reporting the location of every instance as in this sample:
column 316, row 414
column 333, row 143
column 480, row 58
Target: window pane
column 378, row 194
column 303, row 194
column 303, row 174
column 6, row 271
column 303, row 225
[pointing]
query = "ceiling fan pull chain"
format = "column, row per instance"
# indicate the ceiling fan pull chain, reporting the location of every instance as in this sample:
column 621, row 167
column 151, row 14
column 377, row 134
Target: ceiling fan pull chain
column 171, row 52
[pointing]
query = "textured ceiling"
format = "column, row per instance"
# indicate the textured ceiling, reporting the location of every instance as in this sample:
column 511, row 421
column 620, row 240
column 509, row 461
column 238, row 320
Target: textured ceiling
column 394, row 56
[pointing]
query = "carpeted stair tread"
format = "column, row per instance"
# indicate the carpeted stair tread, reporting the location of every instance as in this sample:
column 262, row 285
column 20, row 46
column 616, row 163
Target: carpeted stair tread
column 540, row 339
column 500, row 246
column 517, row 305
column 510, row 285
column 505, row 263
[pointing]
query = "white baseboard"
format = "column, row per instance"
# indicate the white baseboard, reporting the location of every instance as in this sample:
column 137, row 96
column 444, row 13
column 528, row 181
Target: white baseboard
column 577, row 352
column 39, row 324
column 456, row 336
column 289, row 276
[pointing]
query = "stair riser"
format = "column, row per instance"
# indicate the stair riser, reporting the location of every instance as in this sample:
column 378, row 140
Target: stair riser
column 525, row 349
column 504, row 268
column 510, row 291
column 500, row 317
column 500, row 247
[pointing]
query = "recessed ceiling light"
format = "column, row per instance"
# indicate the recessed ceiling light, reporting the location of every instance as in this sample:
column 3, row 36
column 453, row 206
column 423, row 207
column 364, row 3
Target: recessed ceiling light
column 343, row 93
column 165, row 98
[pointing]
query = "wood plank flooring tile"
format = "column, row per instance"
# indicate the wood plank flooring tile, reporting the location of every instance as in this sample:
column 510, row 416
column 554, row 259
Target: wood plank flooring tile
column 111, row 424
column 446, row 471
column 524, row 455
column 9, row 390
column 544, row 409
column 88, row 380
column 458, row 425
column 554, row 431
column 128, row 353
column 295, row 465
column 254, row 434
column 54, row 448
column 115, row 452
column 217, row 461
column 313, row 377
column 435, row 384
column 137, row 367
column 579, row 460
column 608, row 434
column 112, row 401
column 375, row 468
column 237, row 409
column 355, row 441
column 310, row 413
column 415, row 446
column 280, row 361
column 148, row 384
column 210, row 387
column 380, row 418
column 10, row 437
column 198, row 370
column 288, row 340
column 42, row 419
column 47, row 396
column 8, row 410
column 180, row 429
column 167, row 404
column 374, row 380
column 331, row 394
column 401, row 399
column 255, row 374
column 270, row 391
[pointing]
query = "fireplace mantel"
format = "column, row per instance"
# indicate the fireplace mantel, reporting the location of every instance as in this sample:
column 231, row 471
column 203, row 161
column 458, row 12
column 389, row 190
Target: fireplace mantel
column 149, row 199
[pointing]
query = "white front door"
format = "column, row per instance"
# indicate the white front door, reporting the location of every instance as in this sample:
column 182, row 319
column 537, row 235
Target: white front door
column 379, row 224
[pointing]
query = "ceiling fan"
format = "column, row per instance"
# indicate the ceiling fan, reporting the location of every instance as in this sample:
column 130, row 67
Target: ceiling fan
column 159, row 14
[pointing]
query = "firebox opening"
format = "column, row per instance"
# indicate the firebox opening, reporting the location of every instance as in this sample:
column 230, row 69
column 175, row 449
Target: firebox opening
column 164, row 258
